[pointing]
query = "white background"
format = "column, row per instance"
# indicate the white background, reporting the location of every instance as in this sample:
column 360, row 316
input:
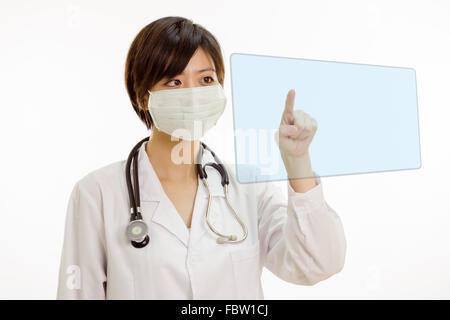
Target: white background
column 64, row 112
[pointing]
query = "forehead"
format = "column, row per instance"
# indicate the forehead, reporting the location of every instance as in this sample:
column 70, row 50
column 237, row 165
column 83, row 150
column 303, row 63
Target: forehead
column 200, row 59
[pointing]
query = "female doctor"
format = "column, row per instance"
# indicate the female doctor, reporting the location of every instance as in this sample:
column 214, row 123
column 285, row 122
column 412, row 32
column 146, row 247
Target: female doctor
column 187, row 234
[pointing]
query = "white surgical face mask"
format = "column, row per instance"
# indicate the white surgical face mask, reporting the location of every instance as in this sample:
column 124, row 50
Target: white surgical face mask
column 187, row 113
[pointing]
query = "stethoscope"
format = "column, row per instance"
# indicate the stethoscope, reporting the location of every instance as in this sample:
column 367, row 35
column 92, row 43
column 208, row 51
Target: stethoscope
column 137, row 230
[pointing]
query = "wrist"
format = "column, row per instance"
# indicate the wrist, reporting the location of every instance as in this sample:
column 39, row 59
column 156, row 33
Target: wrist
column 298, row 166
column 303, row 157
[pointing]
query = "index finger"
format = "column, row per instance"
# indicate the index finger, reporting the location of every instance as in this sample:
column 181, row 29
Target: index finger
column 288, row 112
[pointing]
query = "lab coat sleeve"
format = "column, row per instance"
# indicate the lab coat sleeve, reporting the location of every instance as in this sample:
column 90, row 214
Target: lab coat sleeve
column 303, row 237
column 82, row 270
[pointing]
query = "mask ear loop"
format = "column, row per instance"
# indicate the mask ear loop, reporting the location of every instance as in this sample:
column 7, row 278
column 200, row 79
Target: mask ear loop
column 149, row 111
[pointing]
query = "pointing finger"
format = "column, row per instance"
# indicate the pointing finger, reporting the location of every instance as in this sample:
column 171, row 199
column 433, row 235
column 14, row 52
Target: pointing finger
column 288, row 113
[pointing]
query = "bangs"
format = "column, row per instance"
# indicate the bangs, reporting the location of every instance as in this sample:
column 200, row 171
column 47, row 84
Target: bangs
column 181, row 41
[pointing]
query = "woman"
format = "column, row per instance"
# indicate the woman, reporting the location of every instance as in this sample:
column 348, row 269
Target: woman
column 301, row 241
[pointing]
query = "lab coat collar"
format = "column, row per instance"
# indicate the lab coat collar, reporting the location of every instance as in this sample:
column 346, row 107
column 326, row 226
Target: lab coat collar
column 164, row 212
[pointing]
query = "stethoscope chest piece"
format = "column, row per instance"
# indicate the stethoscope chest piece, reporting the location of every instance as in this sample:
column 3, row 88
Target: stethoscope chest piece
column 137, row 233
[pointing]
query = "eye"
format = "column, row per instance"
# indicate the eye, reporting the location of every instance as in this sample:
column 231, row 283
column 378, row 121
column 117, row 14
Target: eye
column 209, row 79
column 173, row 80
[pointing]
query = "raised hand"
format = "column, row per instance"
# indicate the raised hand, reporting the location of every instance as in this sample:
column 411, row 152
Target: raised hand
column 296, row 131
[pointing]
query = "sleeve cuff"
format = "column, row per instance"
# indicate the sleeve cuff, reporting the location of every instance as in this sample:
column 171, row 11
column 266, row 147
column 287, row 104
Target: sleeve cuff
column 310, row 199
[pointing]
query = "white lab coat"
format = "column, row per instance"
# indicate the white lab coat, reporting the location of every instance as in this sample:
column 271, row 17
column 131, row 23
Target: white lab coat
column 300, row 239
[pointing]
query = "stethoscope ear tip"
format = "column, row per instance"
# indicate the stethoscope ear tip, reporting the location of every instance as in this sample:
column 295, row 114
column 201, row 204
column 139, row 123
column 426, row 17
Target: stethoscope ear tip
column 229, row 238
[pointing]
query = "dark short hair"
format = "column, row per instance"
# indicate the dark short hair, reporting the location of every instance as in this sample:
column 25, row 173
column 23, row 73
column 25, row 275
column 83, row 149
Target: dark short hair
column 163, row 49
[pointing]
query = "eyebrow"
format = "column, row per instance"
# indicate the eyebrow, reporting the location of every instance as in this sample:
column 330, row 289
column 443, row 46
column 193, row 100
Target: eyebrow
column 203, row 70
column 207, row 69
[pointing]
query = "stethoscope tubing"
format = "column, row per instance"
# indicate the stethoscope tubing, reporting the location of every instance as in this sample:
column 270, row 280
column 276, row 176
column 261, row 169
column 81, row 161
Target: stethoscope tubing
column 134, row 198
column 222, row 237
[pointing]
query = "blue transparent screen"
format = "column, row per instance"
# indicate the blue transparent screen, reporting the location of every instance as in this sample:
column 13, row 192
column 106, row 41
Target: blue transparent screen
column 367, row 115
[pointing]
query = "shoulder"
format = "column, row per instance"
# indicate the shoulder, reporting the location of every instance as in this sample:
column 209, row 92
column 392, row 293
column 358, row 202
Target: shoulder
column 101, row 179
column 91, row 194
